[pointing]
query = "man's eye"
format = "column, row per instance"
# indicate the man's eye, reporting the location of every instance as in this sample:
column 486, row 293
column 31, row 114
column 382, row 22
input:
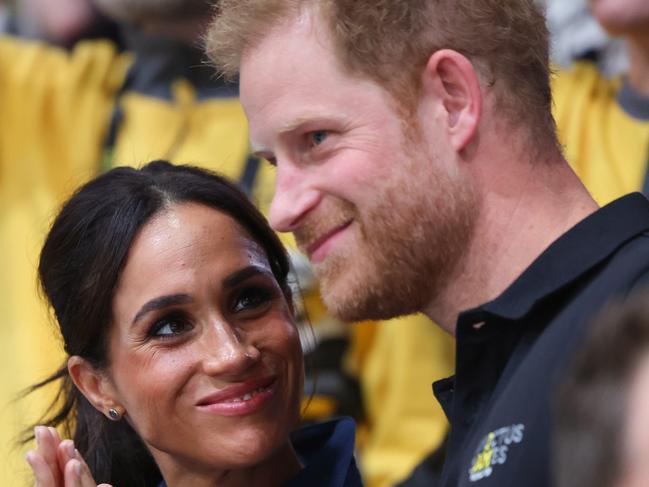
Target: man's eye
column 252, row 299
column 318, row 137
column 169, row 327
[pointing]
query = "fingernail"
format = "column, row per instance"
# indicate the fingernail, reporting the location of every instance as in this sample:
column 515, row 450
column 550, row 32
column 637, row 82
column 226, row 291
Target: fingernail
column 52, row 430
column 37, row 434
column 29, row 456
column 77, row 454
column 68, row 447
column 77, row 469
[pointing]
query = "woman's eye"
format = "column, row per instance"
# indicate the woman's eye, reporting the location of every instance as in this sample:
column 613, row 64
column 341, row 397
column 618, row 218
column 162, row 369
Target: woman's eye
column 318, row 137
column 252, row 299
column 169, row 327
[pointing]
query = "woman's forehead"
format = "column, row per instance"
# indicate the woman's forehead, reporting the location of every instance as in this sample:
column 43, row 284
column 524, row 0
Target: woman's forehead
column 186, row 240
column 187, row 225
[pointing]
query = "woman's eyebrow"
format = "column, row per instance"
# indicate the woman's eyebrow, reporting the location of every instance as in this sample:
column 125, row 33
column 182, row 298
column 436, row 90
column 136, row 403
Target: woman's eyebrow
column 246, row 273
column 161, row 303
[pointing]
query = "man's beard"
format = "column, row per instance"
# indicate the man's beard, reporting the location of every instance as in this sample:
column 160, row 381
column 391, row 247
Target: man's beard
column 405, row 248
column 139, row 11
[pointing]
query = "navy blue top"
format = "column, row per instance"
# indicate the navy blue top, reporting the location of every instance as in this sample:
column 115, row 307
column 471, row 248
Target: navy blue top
column 326, row 451
column 512, row 351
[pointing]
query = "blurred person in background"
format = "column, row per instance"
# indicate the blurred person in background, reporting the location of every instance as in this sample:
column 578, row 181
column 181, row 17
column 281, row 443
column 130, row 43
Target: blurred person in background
column 603, row 122
column 69, row 115
column 4, row 16
column 60, row 22
column 602, row 412
column 577, row 36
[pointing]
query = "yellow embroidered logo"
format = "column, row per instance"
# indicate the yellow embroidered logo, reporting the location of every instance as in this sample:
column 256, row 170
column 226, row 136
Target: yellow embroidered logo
column 493, row 449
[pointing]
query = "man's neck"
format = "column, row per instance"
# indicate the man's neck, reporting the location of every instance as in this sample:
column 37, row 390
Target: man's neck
column 525, row 206
column 638, row 75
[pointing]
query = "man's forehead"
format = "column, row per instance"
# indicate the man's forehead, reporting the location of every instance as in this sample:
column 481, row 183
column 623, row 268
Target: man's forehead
column 282, row 40
column 292, row 62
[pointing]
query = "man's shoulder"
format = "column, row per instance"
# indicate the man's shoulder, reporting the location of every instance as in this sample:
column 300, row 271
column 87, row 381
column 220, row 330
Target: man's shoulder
column 629, row 266
column 509, row 442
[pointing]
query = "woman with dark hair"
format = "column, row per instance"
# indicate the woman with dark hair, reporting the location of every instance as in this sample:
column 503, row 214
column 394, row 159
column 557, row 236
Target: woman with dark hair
column 185, row 368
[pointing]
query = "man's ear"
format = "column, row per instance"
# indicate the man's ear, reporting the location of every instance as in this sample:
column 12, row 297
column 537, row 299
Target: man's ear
column 94, row 385
column 451, row 78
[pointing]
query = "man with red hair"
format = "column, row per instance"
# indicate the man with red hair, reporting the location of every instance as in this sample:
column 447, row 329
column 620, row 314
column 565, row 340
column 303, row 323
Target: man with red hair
column 418, row 168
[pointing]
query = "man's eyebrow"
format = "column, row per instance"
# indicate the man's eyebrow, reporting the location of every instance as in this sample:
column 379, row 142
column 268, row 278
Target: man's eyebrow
column 294, row 124
column 265, row 153
column 246, row 273
column 161, row 303
column 311, row 119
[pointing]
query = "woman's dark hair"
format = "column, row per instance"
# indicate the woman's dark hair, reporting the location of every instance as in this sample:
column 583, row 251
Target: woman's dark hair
column 80, row 264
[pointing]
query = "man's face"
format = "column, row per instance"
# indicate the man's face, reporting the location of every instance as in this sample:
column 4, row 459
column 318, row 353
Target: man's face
column 622, row 17
column 376, row 203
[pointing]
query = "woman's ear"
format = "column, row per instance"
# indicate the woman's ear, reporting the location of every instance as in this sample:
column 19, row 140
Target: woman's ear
column 94, row 385
column 453, row 82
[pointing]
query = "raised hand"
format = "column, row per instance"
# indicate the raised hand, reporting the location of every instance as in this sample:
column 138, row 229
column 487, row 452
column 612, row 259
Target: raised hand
column 56, row 463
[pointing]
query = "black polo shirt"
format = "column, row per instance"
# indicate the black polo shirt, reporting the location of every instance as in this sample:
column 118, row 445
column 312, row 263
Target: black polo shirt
column 512, row 351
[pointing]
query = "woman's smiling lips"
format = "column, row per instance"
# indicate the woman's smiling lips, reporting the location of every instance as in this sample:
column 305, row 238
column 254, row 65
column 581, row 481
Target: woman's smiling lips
column 241, row 398
column 318, row 249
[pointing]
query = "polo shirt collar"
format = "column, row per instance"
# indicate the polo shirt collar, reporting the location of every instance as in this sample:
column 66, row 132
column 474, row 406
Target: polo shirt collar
column 587, row 244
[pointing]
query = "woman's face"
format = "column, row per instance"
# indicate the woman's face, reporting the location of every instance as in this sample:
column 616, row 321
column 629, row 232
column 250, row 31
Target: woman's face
column 205, row 358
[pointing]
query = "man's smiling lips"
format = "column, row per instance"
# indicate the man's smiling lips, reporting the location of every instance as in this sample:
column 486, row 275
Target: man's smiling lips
column 317, row 250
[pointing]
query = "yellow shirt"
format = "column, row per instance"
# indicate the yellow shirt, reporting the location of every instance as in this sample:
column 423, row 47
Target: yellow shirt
column 607, row 147
column 403, row 358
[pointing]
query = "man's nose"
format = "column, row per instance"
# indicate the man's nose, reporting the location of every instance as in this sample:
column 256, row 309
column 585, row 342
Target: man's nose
column 226, row 352
column 294, row 197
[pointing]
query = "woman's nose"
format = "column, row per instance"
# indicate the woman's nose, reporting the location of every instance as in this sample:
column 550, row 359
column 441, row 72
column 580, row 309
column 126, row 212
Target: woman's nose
column 226, row 352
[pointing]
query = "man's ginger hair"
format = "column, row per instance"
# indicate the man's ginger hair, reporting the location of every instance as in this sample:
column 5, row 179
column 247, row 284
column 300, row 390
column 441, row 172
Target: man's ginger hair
column 390, row 41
